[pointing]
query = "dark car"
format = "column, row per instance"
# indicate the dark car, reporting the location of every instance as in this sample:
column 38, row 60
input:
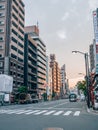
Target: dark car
column 72, row 97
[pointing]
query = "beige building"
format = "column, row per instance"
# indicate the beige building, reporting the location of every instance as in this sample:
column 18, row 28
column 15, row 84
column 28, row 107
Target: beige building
column 12, row 40
column 56, row 77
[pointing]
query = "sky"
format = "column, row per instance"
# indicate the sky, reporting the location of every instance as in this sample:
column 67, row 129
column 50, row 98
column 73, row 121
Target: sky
column 65, row 26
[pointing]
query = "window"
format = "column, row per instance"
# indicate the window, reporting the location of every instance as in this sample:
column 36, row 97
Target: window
column 1, row 30
column 21, row 24
column 1, row 47
column 14, row 40
column 21, row 10
column 15, row 2
column 14, row 48
column 21, row 17
column 20, row 52
column 1, row 14
column 15, row 17
column 14, row 32
column 2, row 7
column 20, row 60
column 0, row 55
column 1, row 39
column 13, row 56
column 21, row 38
column 15, row 10
column 1, row 64
column 21, row 30
column 20, row 44
column 15, row 25
column 1, row 22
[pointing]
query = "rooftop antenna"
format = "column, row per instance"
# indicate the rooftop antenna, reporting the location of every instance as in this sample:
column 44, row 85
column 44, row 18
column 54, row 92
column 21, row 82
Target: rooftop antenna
column 37, row 24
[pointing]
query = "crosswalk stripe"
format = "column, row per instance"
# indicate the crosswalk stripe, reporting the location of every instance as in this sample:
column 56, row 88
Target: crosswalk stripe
column 28, row 113
column 3, row 111
column 67, row 113
column 14, row 111
column 50, row 112
column 77, row 113
column 58, row 113
column 23, row 111
column 40, row 112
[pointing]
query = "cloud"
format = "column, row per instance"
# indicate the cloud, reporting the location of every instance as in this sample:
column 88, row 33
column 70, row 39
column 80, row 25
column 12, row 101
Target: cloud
column 65, row 17
column 73, row 1
column 93, row 4
column 54, row 1
column 61, row 34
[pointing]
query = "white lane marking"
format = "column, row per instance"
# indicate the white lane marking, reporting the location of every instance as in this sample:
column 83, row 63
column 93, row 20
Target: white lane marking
column 67, row 113
column 59, row 104
column 48, row 113
column 14, row 111
column 77, row 113
column 58, row 113
column 28, row 113
column 23, row 111
column 3, row 111
column 40, row 112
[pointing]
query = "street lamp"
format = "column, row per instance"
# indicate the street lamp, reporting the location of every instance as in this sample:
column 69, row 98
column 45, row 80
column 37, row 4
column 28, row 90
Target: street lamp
column 87, row 74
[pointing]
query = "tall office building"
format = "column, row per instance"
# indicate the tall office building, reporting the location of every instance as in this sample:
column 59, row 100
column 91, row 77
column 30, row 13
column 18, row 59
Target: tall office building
column 95, row 22
column 63, row 80
column 33, row 31
column 91, row 53
column 12, row 40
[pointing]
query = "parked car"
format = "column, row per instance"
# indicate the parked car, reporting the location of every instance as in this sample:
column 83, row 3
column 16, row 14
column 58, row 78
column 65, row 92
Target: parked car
column 25, row 98
column 34, row 98
column 72, row 97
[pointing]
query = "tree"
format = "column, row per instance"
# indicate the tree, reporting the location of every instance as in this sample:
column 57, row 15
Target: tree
column 82, row 86
column 22, row 89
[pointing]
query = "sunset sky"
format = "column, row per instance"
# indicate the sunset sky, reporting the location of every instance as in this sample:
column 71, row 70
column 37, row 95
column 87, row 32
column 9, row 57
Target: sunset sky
column 65, row 25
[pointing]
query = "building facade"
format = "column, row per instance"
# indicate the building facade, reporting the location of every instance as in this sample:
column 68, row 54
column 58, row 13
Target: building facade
column 91, row 53
column 30, row 64
column 33, row 31
column 63, row 80
column 56, row 77
column 12, row 40
column 95, row 24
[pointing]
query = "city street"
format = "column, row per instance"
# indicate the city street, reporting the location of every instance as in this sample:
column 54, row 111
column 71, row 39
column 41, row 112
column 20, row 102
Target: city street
column 60, row 113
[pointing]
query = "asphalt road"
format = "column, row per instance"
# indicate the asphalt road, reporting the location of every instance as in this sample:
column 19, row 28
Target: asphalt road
column 53, row 114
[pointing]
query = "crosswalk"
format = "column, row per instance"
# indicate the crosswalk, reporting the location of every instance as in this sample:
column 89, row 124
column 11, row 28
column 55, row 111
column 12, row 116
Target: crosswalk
column 40, row 112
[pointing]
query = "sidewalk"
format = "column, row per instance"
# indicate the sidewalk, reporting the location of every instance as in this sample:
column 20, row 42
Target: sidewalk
column 91, row 110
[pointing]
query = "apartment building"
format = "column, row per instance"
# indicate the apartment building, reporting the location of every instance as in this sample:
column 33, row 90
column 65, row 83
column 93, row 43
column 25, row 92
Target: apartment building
column 30, row 64
column 12, row 40
column 33, row 31
column 56, row 77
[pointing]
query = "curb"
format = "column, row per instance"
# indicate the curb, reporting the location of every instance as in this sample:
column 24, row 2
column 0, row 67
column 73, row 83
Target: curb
column 92, row 111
